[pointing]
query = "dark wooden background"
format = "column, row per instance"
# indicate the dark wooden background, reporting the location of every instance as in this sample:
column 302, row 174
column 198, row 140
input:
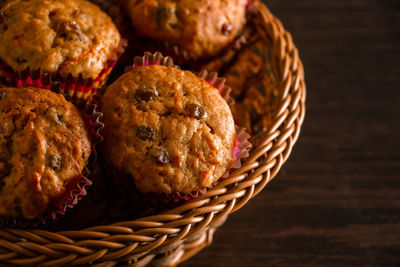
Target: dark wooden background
column 337, row 199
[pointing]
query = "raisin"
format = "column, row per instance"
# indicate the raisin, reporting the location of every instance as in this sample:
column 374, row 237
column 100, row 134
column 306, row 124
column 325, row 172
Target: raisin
column 60, row 117
column 162, row 16
column 227, row 28
column 73, row 25
column 76, row 12
column 196, row 111
column 3, row 28
column 173, row 25
column 144, row 95
column 3, row 95
column 3, row 17
column 52, row 14
column 55, row 162
column 160, row 155
column 144, row 132
column 67, row 27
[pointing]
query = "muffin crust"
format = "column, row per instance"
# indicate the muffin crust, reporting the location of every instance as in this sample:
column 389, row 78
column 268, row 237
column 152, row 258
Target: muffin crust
column 203, row 28
column 44, row 147
column 167, row 128
column 65, row 36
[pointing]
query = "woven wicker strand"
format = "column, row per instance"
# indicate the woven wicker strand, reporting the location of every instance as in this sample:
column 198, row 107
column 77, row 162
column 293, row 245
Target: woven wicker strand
column 170, row 238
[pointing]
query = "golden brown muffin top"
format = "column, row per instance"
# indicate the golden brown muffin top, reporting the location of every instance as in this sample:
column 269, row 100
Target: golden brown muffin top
column 168, row 128
column 201, row 27
column 44, row 147
column 69, row 36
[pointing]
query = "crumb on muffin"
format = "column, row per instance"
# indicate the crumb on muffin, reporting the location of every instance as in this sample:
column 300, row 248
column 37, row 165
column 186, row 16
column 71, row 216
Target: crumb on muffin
column 69, row 37
column 202, row 28
column 167, row 128
column 44, row 147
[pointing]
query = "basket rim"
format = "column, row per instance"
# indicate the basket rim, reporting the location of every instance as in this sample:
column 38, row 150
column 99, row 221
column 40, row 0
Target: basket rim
column 132, row 240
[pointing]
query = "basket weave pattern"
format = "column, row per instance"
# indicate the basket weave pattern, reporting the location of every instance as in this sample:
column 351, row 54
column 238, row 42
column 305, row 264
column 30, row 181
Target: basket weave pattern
column 174, row 236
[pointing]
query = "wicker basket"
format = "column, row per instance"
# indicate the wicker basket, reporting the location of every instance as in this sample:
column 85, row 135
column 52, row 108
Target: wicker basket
column 174, row 236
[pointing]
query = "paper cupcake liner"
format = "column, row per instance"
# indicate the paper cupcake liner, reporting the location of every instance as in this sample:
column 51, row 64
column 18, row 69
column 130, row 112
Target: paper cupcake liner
column 242, row 144
column 219, row 83
column 77, row 189
column 75, row 89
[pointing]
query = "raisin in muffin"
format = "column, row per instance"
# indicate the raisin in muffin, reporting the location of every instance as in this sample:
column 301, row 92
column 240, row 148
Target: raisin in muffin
column 44, row 147
column 167, row 128
column 200, row 28
column 67, row 37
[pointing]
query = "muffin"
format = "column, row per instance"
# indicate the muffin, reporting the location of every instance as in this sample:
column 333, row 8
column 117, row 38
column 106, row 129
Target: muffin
column 44, row 148
column 168, row 129
column 66, row 45
column 196, row 28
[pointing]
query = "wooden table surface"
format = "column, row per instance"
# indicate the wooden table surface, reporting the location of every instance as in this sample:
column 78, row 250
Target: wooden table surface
column 336, row 202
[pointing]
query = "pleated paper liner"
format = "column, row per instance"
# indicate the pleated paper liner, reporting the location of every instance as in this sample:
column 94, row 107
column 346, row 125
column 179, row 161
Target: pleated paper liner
column 240, row 149
column 77, row 189
column 75, row 89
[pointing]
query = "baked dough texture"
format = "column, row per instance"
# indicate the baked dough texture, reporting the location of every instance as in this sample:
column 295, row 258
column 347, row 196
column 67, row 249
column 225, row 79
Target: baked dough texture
column 167, row 128
column 69, row 37
column 203, row 28
column 44, row 147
